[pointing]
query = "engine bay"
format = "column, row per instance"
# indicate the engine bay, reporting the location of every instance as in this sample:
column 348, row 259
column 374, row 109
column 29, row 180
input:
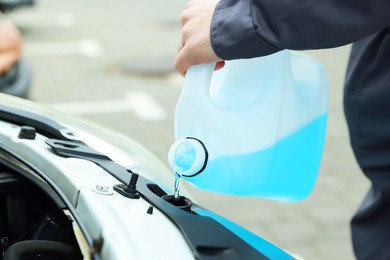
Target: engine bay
column 34, row 224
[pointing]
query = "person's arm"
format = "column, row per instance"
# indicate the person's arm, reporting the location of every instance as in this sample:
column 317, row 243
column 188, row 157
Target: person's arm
column 251, row 28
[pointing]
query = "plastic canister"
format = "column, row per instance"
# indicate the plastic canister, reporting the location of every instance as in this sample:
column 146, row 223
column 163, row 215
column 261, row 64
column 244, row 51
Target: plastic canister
column 254, row 128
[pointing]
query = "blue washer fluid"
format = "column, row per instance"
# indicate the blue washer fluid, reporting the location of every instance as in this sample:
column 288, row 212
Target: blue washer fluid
column 254, row 128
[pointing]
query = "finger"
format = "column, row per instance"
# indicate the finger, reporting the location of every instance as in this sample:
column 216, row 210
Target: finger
column 181, row 62
column 219, row 65
column 180, row 45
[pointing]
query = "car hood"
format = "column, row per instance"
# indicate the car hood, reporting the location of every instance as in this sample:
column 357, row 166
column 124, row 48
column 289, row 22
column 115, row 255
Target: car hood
column 118, row 147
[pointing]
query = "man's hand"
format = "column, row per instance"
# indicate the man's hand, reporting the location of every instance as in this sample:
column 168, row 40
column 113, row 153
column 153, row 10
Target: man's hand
column 195, row 45
column 10, row 44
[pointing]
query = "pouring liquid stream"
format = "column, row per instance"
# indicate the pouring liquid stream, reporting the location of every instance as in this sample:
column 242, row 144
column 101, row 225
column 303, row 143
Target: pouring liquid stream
column 176, row 186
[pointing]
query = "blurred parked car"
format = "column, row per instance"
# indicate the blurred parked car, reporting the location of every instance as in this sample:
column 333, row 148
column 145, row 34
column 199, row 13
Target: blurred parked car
column 9, row 5
column 15, row 81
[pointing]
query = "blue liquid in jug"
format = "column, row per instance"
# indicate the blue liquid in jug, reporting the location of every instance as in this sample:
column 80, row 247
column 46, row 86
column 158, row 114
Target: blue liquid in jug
column 286, row 171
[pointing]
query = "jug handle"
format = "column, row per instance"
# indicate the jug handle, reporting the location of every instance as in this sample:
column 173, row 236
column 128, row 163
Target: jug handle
column 197, row 81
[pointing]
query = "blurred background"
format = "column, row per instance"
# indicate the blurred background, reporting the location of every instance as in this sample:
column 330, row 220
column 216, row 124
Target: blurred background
column 111, row 62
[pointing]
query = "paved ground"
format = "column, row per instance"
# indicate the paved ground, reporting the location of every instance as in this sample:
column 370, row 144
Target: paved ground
column 94, row 58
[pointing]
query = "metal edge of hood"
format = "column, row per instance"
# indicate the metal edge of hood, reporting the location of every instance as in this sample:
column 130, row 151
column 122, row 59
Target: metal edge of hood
column 120, row 148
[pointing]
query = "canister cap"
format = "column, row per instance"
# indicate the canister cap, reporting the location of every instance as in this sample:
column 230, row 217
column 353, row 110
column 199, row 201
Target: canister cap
column 187, row 156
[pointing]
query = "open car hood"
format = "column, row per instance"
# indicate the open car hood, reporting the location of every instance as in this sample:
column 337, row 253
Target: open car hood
column 112, row 190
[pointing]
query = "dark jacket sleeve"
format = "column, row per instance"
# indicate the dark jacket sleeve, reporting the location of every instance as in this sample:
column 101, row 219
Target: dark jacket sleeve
column 251, row 28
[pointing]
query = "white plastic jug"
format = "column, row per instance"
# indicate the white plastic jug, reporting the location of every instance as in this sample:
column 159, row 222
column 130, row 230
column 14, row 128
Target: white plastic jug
column 254, row 128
